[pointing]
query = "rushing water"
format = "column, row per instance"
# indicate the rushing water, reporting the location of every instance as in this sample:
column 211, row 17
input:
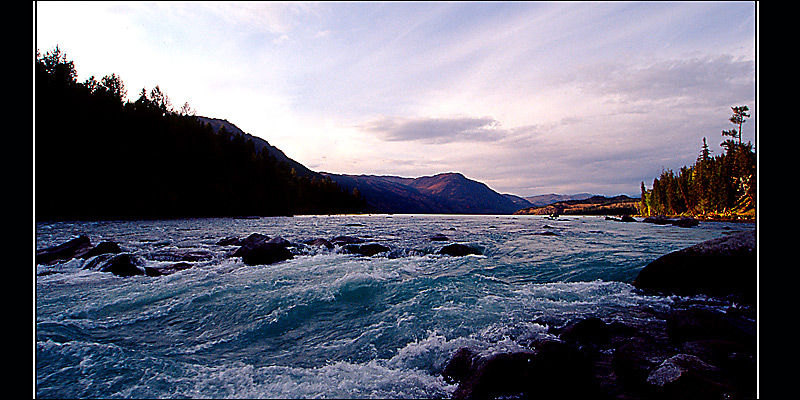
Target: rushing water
column 328, row 324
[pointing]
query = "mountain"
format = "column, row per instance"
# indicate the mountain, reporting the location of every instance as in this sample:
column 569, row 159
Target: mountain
column 446, row 193
column 595, row 205
column 260, row 143
column 545, row 199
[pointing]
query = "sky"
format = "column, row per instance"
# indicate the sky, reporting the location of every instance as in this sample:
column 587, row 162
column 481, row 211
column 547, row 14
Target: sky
column 527, row 97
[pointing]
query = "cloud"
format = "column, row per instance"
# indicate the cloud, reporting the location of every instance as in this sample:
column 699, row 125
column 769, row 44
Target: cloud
column 713, row 80
column 435, row 130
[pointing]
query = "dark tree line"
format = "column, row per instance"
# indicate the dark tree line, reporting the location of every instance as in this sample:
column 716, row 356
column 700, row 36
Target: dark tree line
column 98, row 156
column 719, row 186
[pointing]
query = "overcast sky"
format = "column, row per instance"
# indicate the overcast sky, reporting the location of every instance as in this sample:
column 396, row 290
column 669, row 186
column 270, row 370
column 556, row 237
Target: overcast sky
column 527, row 97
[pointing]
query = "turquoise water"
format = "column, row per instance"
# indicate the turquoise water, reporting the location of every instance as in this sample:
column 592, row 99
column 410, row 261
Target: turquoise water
column 329, row 324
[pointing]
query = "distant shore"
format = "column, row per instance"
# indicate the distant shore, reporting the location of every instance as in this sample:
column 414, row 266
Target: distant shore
column 747, row 218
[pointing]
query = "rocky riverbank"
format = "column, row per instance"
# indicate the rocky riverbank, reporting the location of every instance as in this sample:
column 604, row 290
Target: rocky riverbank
column 703, row 348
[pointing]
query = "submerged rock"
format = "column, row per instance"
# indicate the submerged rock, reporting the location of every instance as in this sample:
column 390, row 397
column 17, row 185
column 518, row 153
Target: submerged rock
column 683, row 222
column 458, row 249
column 342, row 240
column 320, row 242
column 719, row 267
column 167, row 269
column 439, row 238
column 367, row 249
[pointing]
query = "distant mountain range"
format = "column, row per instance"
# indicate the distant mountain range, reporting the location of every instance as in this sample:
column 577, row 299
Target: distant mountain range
column 445, row 193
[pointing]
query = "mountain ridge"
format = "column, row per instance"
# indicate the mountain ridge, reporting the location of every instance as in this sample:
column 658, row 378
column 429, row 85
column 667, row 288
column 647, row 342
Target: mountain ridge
column 444, row 193
column 218, row 123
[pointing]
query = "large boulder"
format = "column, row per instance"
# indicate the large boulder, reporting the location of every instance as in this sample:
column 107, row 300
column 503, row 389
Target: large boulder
column 80, row 247
column 684, row 376
column 552, row 370
column 723, row 267
column 65, row 251
column 264, row 253
column 102, row 248
column 587, row 331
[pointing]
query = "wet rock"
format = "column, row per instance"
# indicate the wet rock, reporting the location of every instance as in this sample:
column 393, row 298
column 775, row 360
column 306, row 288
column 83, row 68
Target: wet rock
column 182, row 255
column 719, row 267
column 552, row 370
column 458, row 249
column 635, row 358
column 166, row 270
column 694, row 323
column 102, row 248
column 319, row 242
column 65, row 251
column 439, row 238
column 658, row 220
column 588, row 331
column 343, row 240
column 250, row 243
column 685, row 222
column 264, row 253
column 687, row 376
column 229, row 241
column 280, row 241
column 124, row 264
column 367, row 249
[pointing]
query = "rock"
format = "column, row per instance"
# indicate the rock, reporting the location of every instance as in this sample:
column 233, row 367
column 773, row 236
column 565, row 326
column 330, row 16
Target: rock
column 588, row 331
column 546, row 233
column 280, row 241
column 320, row 242
column 367, row 249
column 553, row 370
column 342, row 240
column 719, row 267
column 102, row 248
column 166, row 270
column 687, row 376
column 692, row 324
column 184, row 255
column 65, row 251
column 658, row 220
column 124, row 264
column 685, row 222
column 636, row 358
column 460, row 365
column 264, row 253
column 229, row 241
column 458, row 249
column 249, row 243
column 439, row 238
column 627, row 218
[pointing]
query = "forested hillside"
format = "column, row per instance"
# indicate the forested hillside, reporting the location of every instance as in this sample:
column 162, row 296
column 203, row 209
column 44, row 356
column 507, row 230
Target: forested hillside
column 722, row 186
column 98, row 156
